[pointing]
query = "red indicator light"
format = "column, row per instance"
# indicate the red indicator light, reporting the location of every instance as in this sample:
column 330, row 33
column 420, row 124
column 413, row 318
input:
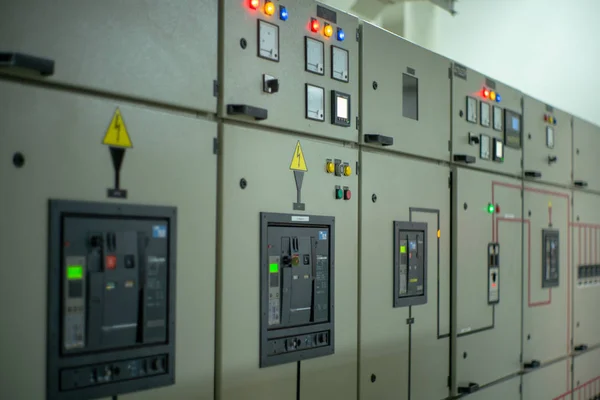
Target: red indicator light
column 497, row 209
column 254, row 4
column 347, row 194
column 493, row 285
column 314, row 25
column 111, row 262
column 545, row 117
column 486, row 93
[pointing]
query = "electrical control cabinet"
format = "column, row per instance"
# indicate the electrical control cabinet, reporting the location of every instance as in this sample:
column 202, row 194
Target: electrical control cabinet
column 586, row 138
column 586, row 375
column 404, row 337
column 507, row 390
column 586, row 270
column 91, row 289
column 297, row 288
column 547, row 147
column 291, row 65
column 406, row 99
column 164, row 52
column 548, row 382
column 546, row 284
column 111, row 298
column 487, row 123
column 318, row 206
column 486, row 232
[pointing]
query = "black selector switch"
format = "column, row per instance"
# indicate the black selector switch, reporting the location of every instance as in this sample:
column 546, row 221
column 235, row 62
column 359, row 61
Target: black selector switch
column 306, row 259
column 130, row 261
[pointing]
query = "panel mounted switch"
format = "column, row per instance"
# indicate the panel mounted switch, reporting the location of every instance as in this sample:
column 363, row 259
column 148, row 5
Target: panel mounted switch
column 493, row 273
column 410, row 264
column 550, row 258
column 270, row 84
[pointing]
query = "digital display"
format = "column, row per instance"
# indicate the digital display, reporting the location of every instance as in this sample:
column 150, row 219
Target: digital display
column 512, row 129
column 412, row 245
column 342, row 107
column 515, row 123
column 499, row 149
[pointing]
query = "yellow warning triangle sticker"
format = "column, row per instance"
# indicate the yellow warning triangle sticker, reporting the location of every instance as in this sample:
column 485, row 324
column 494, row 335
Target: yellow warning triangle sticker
column 298, row 162
column 116, row 135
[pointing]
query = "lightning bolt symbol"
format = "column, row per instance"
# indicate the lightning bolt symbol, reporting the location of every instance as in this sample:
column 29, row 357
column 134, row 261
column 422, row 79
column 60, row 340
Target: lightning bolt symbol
column 118, row 128
column 298, row 155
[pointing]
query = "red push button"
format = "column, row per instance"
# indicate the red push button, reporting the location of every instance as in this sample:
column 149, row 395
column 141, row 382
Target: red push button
column 111, row 262
column 347, row 194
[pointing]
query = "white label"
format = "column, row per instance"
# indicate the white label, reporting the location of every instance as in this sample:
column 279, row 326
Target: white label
column 299, row 218
column 509, row 215
column 465, row 330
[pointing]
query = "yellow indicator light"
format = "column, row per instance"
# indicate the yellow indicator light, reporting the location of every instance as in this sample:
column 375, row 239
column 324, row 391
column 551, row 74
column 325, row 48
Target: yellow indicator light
column 328, row 30
column 550, row 119
column 492, row 95
column 347, row 170
column 439, row 233
column 269, row 8
column 330, row 167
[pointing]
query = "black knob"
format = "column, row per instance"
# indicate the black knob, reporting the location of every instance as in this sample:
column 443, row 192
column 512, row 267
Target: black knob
column 286, row 260
column 552, row 159
column 273, row 85
column 96, row 241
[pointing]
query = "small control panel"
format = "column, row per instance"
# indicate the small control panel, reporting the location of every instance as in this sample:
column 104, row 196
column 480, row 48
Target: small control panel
column 588, row 276
column 112, row 287
column 410, row 263
column 339, row 168
column 493, row 257
column 297, row 295
column 550, row 258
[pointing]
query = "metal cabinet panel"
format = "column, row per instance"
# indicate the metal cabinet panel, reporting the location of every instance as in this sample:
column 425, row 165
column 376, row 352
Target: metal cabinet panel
column 550, row 382
column 263, row 160
column 409, row 71
column 487, row 209
column 586, row 141
column 546, row 310
column 244, row 69
column 466, row 135
column 64, row 158
column 159, row 51
column 547, row 142
column 389, row 347
column 586, row 375
column 508, row 390
column 586, row 269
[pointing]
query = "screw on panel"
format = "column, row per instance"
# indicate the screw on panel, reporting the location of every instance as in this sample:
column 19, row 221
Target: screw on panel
column 465, row 206
column 373, row 378
column 528, row 337
column 374, row 198
column 529, row 136
column 460, row 113
column 243, row 183
column 18, row 160
column 577, row 151
column 375, row 85
column 243, row 43
column 465, row 355
column 529, row 213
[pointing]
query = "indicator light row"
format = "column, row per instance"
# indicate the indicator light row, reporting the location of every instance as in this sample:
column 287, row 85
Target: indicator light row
column 550, row 119
column 315, row 26
column 344, row 169
column 269, row 9
column 491, row 95
column 493, row 208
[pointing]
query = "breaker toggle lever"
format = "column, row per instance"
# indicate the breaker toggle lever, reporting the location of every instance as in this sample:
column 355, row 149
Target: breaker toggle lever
column 270, row 84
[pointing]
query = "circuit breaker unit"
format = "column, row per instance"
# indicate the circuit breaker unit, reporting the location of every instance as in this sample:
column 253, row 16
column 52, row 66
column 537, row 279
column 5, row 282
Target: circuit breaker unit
column 550, row 260
column 493, row 273
column 111, row 291
column 297, row 291
column 410, row 263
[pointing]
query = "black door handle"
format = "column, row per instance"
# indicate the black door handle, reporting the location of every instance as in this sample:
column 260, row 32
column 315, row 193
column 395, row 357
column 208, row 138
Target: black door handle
column 259, row 114
column 581, row 183
column 464, row 158
column 532, row 364
column 471, row 388
column 379, row 139
column 42, row 66
column 533, row 174
column 581, row 347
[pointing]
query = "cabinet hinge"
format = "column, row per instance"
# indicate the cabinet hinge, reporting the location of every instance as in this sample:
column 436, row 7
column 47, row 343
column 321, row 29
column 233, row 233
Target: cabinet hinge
column 215, row 146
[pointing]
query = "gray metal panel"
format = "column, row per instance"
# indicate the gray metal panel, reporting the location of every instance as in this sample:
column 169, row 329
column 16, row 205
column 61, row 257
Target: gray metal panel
column 477, row 323
column 550, row 382
column 64, row 158
column 586, row 245
column 546, row 325
column 243, row 70
column 384, row 333
column 536, row 153
column 511, row 100
column 263, row 159
column 586, row 141
column 507, row 390
column 382, row 107
column 161, row 51
column 586, row 375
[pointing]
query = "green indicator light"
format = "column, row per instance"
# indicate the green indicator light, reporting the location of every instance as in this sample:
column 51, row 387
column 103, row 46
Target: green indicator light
column 339, row 194
column 273, row 268
column 490, row 208
column 74, row 272
column 402, row 249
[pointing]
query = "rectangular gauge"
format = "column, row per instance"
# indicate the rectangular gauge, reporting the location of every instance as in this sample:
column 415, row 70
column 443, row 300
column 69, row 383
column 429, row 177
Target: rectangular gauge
column 485, row 114
column 268, row 41
column 315, row 103
column 484, row 150
column 497, row 118
column 512, row 129
column 472, row 109
column 314, row 52
column 340, row 108
column 498, row 150
column 550, row 137
column 339, row 64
